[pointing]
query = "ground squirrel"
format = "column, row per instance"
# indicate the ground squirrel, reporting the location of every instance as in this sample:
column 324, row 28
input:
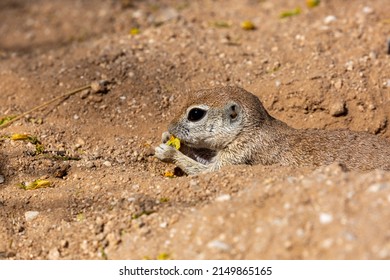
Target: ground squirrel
column 229, row 125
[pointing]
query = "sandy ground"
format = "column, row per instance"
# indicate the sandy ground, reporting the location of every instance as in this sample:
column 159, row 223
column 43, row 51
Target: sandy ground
column 325, row 68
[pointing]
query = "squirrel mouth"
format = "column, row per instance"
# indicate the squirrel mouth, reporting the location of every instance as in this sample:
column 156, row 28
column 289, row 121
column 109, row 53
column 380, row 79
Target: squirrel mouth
column 202, row 155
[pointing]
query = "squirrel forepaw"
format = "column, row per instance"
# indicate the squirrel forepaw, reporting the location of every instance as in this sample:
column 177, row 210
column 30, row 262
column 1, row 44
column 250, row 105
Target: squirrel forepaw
column 165, row 153
column 165, row 137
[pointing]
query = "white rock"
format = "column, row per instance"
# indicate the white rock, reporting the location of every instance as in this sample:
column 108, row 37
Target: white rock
column 167, row 14
column 54, row 254
column 107, row 163
column 330, row 19
column 338, row 109
column 31, row 215
column 378, row 187
column 163, row 225
column 325, row 218
column 373, row 55
column 349, row 65
column 217, row 244
column 89, row 164
column 194, row 184
column 368, row 10
column 2, row 179
column 138, row 14
column 79, row 143
column 223, row 197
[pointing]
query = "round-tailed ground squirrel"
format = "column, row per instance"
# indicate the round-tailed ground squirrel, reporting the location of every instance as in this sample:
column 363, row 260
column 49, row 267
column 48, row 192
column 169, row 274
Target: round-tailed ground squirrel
column 228, row 125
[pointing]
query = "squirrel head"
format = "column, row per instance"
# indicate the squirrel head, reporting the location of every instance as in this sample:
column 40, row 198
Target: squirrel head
column 213, row 118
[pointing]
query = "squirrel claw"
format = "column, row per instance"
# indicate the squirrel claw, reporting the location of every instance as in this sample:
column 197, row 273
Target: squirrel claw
column 165, row 153
column 165, row 137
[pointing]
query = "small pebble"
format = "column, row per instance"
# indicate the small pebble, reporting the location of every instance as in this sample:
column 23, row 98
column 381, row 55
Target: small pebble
column 217, row 244
column 107, row 163
column 64, row 243
column 325, row 218
column 349, row 65
column 89, row 164
column 329, row 19
column 84, row 246
column 95, row 98
column 99, row 87
column 79, row 143
column 166, row 15
column 113, row 238
column 368, row 10
column 378, row 187
column 2, row 179
column 373, row 55
column 54, row 254
column 338, row 84
column 194, row 184
column 223, row 197
column 163, row 225
column 31, row 215
column 338, row 109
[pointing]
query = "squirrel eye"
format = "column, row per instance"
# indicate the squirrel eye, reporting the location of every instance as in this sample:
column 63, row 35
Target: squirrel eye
column 196, row 114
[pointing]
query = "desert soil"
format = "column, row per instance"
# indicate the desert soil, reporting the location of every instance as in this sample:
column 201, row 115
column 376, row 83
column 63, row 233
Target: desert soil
column 326, row 68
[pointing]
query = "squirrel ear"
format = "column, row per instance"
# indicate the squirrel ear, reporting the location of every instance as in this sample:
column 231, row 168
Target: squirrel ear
column 233, row 111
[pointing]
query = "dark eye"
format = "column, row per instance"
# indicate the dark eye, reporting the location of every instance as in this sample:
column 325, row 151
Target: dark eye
column 196, row 114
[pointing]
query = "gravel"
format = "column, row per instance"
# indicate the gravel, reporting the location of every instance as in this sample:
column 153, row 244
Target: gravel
column 338, row 109
column 326, row 218
column 31, row 215
column 219, row 245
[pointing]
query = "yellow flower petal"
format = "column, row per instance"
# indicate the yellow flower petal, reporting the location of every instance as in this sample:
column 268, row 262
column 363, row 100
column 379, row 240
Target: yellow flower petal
column 174, row 142
column 134, row 31
column 290, row 13
column 247, row 25
column 37, row 184
column 169, row 174
column 312, row 3
column 18, row 136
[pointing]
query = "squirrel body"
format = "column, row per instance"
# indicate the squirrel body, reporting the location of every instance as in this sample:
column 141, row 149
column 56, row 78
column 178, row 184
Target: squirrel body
column 229, row 126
